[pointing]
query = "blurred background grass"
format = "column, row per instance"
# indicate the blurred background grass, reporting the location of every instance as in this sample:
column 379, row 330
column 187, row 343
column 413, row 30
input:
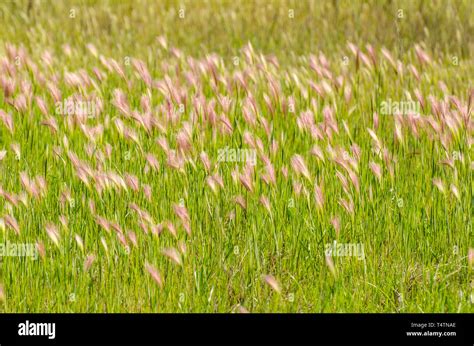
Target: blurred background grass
column 123, row 28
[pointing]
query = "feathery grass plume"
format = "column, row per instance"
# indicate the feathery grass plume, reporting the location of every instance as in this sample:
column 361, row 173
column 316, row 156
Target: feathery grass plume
column 183, row 215
column 376, row 140
column 181, row 212
column 334, row 155
column 53, row 233
column 272, row 282
column 40, row 183
column 241, row 201
column 8, row 85
column 173, row 255
column 26, row 182
column 143, row 214
column 116, row 227
column 249, row 113
column 268, row 176
column 108, row 150
column 344, row 182
column 346, row 129
column 145, row 227
column 104, row 223
column 266, row 203
column 205, row 161
column 398, row 129
column 120, row 101
column 92, row 49
column 354, row 179
column 104, row 245
column 375, row 120
column 131, row 135
column 156, row 230
column 79, row 241
column 235, row 174
column 88, row 262
column 91, row 205
column 162, row 41
column 12, row 199
column 372, row 54
column 246, row 178
column 117, row 68
column 123, row 240
column 152, row 161
column 11, row 222
column 413, row 123
column 447, row 162
column 29, row 185
column 330, row 264
column 7, row 120
column 3, row 153
column 133, row 238
column 437, row 105
column 376, row 170
column 439, row 184
column 366, row 60
column 330, row 122
column 422, row 56
column 182, row 247
column 41, row 249
column 2, row 293
column 225, row 102
column 420, row 98
column 55, row 92
column 249, row 139
column 20, row 103
column 132, row 182
column 414, row 72
column 183, row 140
column 57, row 151
column 215, row 182
column 356, row 151
column 342, row 162
column 147, row 191
column 226, row 127
column 297, row 188
column 347, row 204
column 175, row 160
column 155, row 274
column 388, row 56
column 145, row 103
column 16, row 149
column 242, row 310
column 470, row 257
column 317, row 151
column 299, row 166
column 305, row 121
column 23, row 198
column 171, row 228
column 455, row 191
column 354, row 161
column 319, row 195
column 336, row 223
column 347, row 94
column 142, row 70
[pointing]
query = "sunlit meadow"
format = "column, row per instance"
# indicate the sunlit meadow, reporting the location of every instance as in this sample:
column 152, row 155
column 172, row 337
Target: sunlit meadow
column 216, row 156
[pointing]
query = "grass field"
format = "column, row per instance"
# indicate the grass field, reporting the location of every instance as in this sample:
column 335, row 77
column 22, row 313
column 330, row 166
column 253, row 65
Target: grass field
column 214, row 156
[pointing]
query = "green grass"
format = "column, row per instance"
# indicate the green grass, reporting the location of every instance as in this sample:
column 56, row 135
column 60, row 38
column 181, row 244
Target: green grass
column 416, row 238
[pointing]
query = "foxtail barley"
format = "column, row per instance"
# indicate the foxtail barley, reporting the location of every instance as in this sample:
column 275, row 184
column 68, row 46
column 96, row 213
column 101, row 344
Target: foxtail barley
column 272, row 282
